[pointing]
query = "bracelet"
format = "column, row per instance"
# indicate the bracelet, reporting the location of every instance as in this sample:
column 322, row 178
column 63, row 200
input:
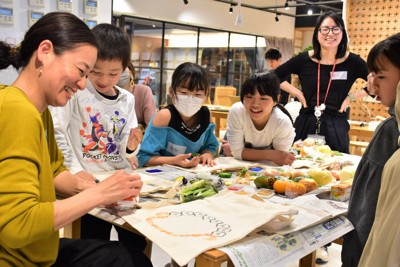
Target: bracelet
column 352, row 97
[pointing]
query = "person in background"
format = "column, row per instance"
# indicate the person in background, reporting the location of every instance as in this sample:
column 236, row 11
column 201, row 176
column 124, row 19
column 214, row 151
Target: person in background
column 184, row 127
column 258, row 127
column 274, row 59
column 96, row 130
column 145, row 107
column 55, row 56
column 327, row 74
column 384, row 63
column 383, row 244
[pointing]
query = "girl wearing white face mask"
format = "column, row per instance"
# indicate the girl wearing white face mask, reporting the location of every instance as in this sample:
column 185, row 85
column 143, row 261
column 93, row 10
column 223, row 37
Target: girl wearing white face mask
column 184, row 127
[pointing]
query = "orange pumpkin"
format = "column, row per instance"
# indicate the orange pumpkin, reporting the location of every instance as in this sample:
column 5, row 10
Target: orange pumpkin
column 280, row 186
column 295, row 189
column 310, row 184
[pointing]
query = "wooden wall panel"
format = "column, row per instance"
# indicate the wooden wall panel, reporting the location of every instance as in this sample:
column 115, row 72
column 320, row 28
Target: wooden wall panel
column 368, row 22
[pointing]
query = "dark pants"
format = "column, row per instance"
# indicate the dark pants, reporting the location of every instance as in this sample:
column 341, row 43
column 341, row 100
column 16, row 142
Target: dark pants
column 99, row 253
column 334, row 128
column 95, row 228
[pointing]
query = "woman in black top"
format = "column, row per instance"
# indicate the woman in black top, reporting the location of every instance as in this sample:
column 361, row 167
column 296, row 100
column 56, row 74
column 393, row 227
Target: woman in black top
column 326, row 74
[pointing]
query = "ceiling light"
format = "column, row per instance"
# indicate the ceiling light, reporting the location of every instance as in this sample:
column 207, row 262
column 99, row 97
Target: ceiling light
column 286, row 5
column 185, row 2
column 231, row 9
column 276, row 17
column 239, row 20
column 309, row 12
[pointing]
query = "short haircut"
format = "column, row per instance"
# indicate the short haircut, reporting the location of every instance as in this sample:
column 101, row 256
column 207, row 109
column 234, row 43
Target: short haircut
column 273, row 53
column 389, row 48
column 114, row 44
column 266, row 83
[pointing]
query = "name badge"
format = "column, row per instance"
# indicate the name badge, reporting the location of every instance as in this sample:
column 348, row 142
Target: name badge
column 175, row 149
column 339, row 75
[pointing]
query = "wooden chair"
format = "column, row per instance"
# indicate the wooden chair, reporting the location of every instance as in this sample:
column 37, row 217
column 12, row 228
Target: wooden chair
column 221, row 95
column 234, row 99
column 357, row 147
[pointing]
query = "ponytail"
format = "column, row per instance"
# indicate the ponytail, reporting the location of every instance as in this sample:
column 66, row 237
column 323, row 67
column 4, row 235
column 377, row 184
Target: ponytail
column 8, row 56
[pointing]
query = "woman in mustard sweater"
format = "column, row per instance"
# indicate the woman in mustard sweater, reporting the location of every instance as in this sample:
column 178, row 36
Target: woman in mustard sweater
column 55, row 57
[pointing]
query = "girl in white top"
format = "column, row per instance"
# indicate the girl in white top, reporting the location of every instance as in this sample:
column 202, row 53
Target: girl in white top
column 258, row 127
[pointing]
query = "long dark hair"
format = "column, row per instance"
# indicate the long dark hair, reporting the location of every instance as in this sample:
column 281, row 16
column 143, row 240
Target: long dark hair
column 266, row 83
column 342, row 48
column 390, row 48
column 63, row 29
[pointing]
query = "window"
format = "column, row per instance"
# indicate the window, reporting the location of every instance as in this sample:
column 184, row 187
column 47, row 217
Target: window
column 159, row 47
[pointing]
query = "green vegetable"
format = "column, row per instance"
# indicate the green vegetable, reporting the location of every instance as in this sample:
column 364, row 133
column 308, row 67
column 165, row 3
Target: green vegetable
column 198, row 190
column 195, row 154
column 242, row 173
column 337, row 153
column 225, row 174
column 264, row 182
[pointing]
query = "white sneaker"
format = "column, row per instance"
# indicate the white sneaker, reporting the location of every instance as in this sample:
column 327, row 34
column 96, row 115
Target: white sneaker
column 322, row 256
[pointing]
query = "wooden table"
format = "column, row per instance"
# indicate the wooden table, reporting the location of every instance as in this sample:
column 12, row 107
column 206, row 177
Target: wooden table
column 360, row 134
column 215, row 258
column 362, row 131
column 210, row 258
column 217, row 115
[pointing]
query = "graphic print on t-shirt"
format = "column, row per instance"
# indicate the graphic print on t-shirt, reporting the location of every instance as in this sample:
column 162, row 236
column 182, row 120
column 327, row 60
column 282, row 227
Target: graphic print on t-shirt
column 100, row 136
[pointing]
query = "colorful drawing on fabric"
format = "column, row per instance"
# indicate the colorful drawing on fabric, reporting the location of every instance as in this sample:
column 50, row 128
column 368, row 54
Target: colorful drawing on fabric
column 195, row 220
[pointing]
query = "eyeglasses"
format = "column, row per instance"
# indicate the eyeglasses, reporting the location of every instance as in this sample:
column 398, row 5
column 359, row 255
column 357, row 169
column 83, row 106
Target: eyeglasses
column 335, row 30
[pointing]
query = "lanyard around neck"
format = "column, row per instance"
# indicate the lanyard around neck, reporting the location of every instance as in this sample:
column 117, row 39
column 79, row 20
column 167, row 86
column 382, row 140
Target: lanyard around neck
column 319, row 82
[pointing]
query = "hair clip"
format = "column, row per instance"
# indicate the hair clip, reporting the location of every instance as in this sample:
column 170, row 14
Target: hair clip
column 14, row 51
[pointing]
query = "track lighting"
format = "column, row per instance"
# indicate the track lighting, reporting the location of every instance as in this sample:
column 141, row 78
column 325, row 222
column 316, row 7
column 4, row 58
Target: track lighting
column 286, row 5
column 231, row 9
column 276, row 17
column 185, row 2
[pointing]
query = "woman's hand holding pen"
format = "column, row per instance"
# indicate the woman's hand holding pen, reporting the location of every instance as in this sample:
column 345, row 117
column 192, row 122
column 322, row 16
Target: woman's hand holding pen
column 120, row 185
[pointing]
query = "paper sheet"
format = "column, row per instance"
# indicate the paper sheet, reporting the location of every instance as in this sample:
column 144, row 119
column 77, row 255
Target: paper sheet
column 274, row 250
